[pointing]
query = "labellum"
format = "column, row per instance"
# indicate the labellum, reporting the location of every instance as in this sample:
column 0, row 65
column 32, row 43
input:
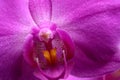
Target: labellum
column 50, row 51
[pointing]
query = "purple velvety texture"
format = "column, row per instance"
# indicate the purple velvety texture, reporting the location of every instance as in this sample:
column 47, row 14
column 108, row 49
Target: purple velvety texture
column 71, row 77
column 94, row 26
column 15, row 23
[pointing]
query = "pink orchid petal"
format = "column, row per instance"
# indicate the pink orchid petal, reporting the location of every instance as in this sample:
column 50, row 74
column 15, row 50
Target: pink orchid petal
column 97, row 40
column 15, row 11
column 41, row 10
column 71, row 77
column 15, row 17
column 15, row 23
column 27, row 72
column 67, row 10
column 63, row 8
column 11, row 56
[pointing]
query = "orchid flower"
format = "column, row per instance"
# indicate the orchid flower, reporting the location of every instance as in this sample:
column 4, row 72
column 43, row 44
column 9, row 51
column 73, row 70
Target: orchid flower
column 51, row 39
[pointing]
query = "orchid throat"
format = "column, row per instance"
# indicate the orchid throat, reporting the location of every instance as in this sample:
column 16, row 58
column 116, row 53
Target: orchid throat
column 47, row 48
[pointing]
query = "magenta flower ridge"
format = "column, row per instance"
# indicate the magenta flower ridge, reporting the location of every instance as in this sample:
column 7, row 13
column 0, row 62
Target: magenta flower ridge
column 50, row 39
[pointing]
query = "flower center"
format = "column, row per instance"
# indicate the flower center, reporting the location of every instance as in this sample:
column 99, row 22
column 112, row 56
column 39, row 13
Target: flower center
column 50, row 50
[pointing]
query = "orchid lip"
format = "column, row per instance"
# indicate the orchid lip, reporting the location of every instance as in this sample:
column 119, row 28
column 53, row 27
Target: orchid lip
column 49, row 77
column 47, row 51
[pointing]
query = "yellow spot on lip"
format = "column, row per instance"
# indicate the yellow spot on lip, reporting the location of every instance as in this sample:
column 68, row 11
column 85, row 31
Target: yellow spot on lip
column 50, row 56
column 47, row 56
column 53, row 54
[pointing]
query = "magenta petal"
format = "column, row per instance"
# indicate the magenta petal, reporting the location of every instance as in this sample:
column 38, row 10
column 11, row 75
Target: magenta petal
column 15, row 17
column 67, row 10
column 97, row 40
column 13, row 11
column 71, row 77
column 40, row 76
column 61, row 8
column 10, row 56
column 15, row 23
column 27, row 72
column 66, row 7
column 41, row 10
